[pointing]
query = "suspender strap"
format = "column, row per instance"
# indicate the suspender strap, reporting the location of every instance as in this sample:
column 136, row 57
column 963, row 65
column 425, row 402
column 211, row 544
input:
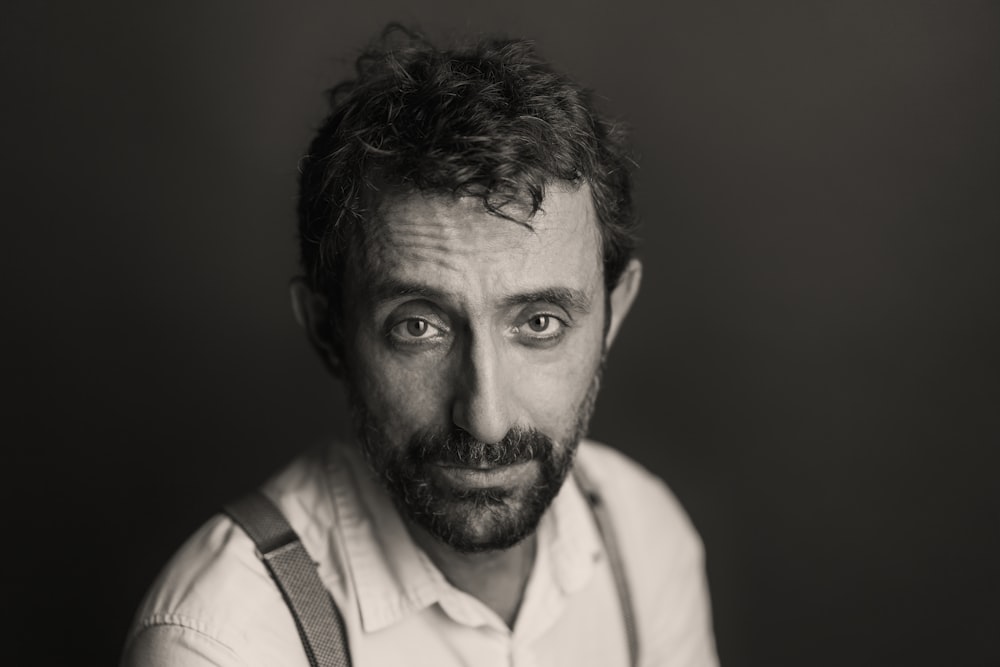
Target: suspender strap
column 319, row 623
column 606, row 529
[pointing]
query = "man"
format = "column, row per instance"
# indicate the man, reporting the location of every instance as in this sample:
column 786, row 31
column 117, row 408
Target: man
column 466, row 236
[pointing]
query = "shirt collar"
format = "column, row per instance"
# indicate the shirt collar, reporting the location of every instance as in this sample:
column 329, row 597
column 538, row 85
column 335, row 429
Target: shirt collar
column 394, row 578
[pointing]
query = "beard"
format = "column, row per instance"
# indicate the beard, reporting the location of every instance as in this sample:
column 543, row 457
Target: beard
column 473, row 520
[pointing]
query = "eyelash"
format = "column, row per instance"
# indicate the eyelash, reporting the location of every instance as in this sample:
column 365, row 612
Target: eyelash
column 522, row 331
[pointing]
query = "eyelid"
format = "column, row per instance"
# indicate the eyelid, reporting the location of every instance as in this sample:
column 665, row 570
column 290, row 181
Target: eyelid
column 432, row 322
column 546, row 310
column 415, row 309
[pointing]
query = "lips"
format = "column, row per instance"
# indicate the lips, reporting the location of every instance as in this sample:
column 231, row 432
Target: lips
column 483, row 476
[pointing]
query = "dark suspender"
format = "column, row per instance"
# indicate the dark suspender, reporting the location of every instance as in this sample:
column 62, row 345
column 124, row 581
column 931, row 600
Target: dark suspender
column 317, row 618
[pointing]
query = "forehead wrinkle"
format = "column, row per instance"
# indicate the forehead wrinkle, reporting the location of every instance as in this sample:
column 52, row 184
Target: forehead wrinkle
column 391, row 288
column 427, row 246
column 409, row 241
column 445, row 219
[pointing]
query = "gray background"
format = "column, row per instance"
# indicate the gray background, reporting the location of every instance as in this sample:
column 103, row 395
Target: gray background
column 812, row 363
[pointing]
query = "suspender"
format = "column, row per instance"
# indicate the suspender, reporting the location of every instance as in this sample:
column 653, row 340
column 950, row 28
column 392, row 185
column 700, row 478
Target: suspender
column 317, row 618
column 607, row 531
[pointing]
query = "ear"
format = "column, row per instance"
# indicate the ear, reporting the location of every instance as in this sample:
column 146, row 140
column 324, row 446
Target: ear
column 312, row 313
column 621, row 299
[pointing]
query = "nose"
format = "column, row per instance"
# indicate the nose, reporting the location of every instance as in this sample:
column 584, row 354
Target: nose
column 483, row 403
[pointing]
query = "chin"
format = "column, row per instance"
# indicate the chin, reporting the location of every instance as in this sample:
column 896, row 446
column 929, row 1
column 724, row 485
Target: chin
column 475, row 520
column 476, row 525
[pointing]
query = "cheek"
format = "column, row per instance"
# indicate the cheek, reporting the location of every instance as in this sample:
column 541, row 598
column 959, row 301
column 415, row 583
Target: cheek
column 556, row 390
column 402, row 397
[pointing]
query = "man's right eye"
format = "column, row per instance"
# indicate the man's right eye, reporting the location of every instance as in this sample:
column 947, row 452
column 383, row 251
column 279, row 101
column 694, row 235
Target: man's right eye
column 415, row 330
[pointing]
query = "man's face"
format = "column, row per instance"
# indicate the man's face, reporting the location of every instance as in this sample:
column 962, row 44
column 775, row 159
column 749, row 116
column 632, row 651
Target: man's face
column 473, row 349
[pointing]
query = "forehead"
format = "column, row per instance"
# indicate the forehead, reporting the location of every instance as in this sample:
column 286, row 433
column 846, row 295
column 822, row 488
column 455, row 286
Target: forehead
column 455, row 245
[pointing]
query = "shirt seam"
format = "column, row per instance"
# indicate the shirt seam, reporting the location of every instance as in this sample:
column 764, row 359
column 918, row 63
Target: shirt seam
column 185, row 622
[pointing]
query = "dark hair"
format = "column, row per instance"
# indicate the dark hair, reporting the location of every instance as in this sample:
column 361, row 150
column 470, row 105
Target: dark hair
column 492, row 121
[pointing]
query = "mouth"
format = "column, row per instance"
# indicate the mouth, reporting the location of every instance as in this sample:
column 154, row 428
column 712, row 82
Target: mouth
column 481, row 477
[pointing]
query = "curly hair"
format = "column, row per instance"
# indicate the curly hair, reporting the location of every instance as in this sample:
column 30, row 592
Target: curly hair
column 492, row 121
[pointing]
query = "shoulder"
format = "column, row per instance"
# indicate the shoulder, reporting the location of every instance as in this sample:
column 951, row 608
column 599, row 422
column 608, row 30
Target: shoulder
column 663, row 556
column 213, row 598
column 643, row 507
column 216, row 598
column 659, row 544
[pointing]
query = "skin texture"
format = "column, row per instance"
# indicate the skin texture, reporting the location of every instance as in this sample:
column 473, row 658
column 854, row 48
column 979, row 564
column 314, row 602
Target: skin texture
column 479, row 364
column 465, row 322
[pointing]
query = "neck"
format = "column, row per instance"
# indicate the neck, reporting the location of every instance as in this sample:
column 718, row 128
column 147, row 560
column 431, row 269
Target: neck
column 496, row 578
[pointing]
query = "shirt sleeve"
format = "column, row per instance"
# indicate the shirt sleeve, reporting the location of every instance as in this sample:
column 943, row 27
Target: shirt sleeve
column 175, row 644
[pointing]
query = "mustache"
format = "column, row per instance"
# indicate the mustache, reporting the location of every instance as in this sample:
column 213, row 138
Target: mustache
column 459, row 447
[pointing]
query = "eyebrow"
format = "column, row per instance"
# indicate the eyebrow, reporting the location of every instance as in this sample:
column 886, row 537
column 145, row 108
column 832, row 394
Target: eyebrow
column 565, row 297
column 389, row 289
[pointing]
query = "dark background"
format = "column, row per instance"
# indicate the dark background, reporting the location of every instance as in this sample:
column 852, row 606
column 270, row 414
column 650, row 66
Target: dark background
column 812, row 364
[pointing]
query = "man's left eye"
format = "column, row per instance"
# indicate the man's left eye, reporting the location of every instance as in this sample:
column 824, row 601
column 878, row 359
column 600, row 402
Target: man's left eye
column 542, row 327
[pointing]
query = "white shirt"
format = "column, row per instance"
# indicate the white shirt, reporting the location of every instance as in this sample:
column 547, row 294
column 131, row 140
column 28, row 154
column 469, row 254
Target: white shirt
column 215, row 604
